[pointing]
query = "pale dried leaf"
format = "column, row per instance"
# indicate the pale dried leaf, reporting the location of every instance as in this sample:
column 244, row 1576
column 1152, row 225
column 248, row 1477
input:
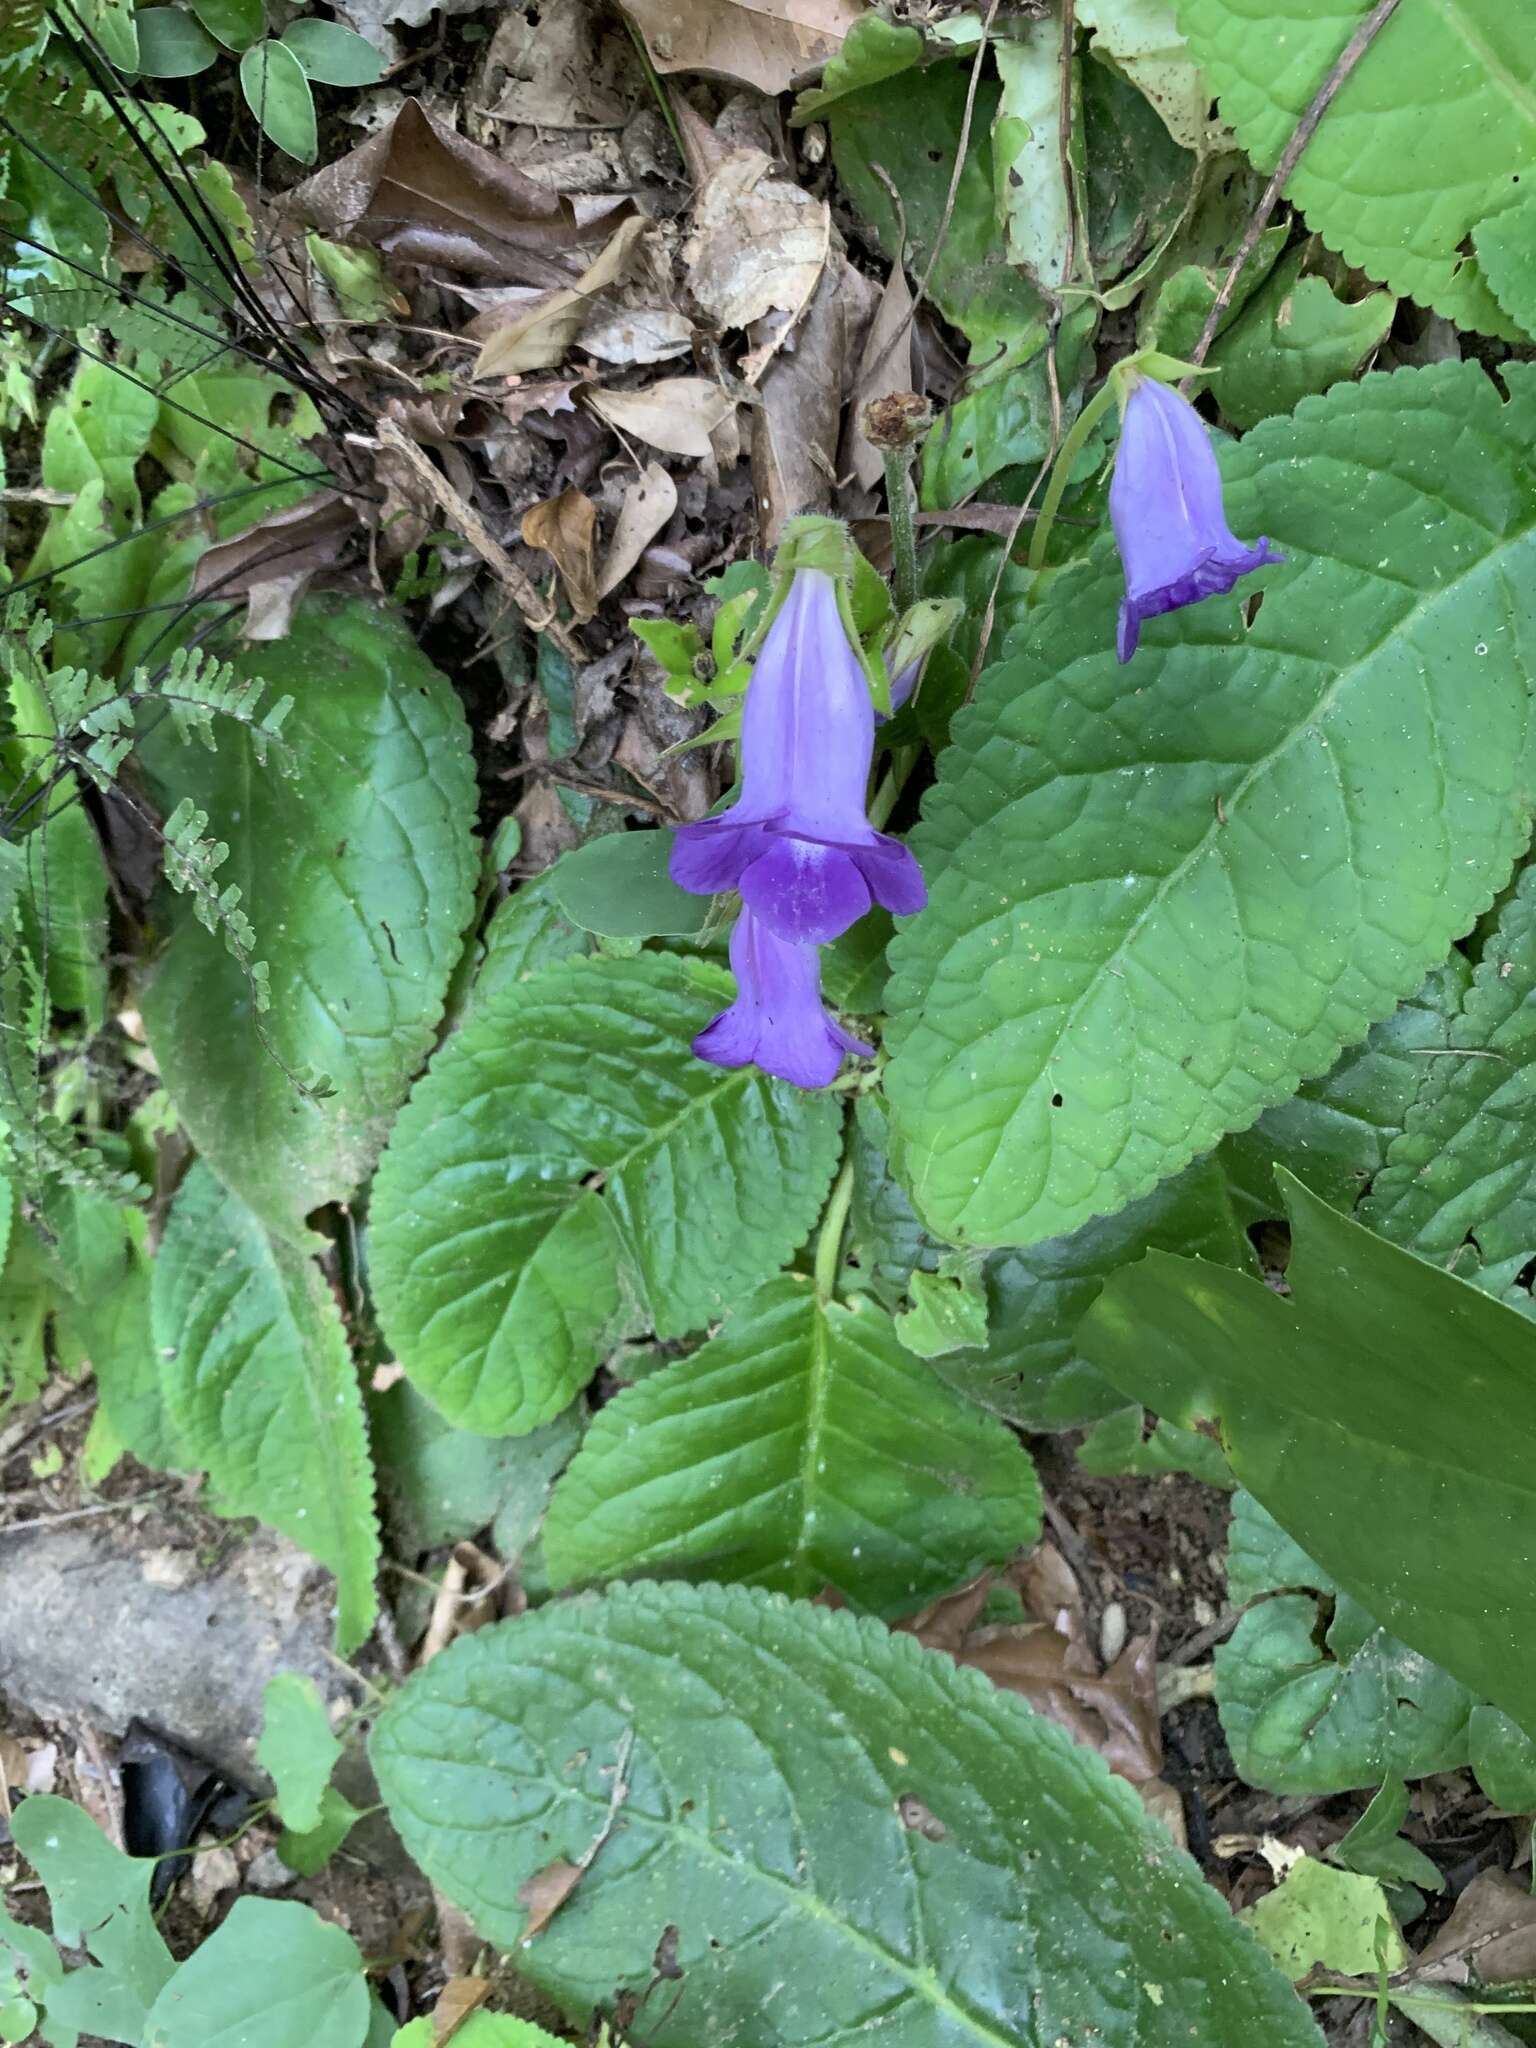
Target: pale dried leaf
column 677, row 415
column 459, row 1999
column 565, row 527
column 649, row 503
column 552, row 395
column 763, row 43
column 546, row 1892
column 628, row 334
column 884, row 367
column 1163, row 1803
column 424, row 194
column 270, row 607
column 758, row 243
column 537, row 337
column 795, row 431
column 270, row 562
column 558, row 68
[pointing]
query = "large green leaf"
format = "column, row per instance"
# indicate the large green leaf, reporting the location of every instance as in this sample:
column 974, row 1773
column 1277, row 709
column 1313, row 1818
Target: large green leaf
column 273, row 1975
column 1385, row 1415
column 804, row 1447
column 1429, row 136
column 1295, row 336
column 1161, row 896
column 568, row 1174
column 261, row 1388
column 1335, row 1132
column 358, row 871
column 1316, row 1698
column 1506, row 248
column 1459, row 1185
column 851, row 1835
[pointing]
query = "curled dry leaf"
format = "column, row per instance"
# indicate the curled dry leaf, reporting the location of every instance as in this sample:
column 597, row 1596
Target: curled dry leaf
column 1490, row 1937
column 795, row 431
column 536, row 337
column 565, row 528
column 679, row 415
column 424, row 194
column 546, row 1892
column 270, row 562
column 459, row 1998
column 1114, row 1713
column 648, row 504
column 758, row 243
column 885, row 367
column 763, row 43
column 637, row 334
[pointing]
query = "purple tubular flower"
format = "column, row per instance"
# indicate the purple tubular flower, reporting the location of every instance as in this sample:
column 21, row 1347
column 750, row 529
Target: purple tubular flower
column 778, row 1021
column 796, row 843
column 1165, row 502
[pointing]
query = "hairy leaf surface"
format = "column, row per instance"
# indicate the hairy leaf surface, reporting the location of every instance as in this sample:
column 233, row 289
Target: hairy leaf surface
column 849, row 1833
column 1162, row 895
column 803, row 1447
column 568, row 1174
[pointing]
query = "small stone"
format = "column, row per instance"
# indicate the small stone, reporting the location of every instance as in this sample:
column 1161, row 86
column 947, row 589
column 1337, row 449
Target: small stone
column 269, row 1873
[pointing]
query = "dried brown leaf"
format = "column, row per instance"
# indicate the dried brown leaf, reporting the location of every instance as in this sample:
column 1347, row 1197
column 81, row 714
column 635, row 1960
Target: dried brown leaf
column 946, row 1623
column 537, row 337
column 795, row 430
column 424, row 194
column 636, row 333
column 459, row 2000
column 758, row 245
column 648, row 504
column 884, row 367
column 678, row 415
column 763, row 43
column 270, row 562
column 1115, row 1713
column 1490, row 1937
column 565, row 527
column 558, row 67
column 546, row 1892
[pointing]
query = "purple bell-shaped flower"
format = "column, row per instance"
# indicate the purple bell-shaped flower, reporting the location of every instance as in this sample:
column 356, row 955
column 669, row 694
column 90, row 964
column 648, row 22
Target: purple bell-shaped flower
column 797, row 843
column 778, row 1021
column 1165, row 503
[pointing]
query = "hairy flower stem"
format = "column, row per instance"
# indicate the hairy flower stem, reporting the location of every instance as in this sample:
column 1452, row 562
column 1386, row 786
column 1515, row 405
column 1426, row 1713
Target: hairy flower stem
column 898, row 499
column 829, row 1241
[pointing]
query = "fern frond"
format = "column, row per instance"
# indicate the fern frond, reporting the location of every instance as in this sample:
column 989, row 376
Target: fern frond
column 199, row 688
column 192, row 860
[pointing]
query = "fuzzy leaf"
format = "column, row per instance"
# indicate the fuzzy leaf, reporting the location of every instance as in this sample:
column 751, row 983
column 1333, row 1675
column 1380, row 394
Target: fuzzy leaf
column 802, row 1448
column 1160, row 897
column 568, row 1174
column 261, row 1388
column 358, row 870
column 942, row 1864
column 298, row 1748
column 273, row 1975
column 1427, row 138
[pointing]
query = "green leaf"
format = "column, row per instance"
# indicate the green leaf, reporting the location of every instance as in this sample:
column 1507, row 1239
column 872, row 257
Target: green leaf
column 1005, row 422
column 1030, row 195
column 1322, row 1918
column 298, row 1748
column 277, row 93
column 853, row 967
column 941, row 1863
column 803, row 1447
column 307, row 1854
column 1295, row 336
column 910, row 126
column 1134, row 943
column 272, row 1975
column 1119, row 1443
column 1457, row 1186
column 64, row 909
column 1340, row 1394
column 1141, row 39
column 261, row 1387
column 236, row 23
column 1335, row 1132
column 1140, row 186
column 872, row 51
column 359, row 868
column 1374, row 1847
column 527, row 932
column 481, row 2030
column 618, row 885
column 172, row 44
column 1427, row 138
column 442, row 1483
column 333, row 54
column 100, row 1901
column 568, row 1174
column 27, row 1295
column 1506, row 248
column 947, row 1309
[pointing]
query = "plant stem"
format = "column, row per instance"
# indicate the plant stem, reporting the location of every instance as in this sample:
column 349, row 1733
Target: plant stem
column 1071, row 448
column 829, row 1241
column 898, row 499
